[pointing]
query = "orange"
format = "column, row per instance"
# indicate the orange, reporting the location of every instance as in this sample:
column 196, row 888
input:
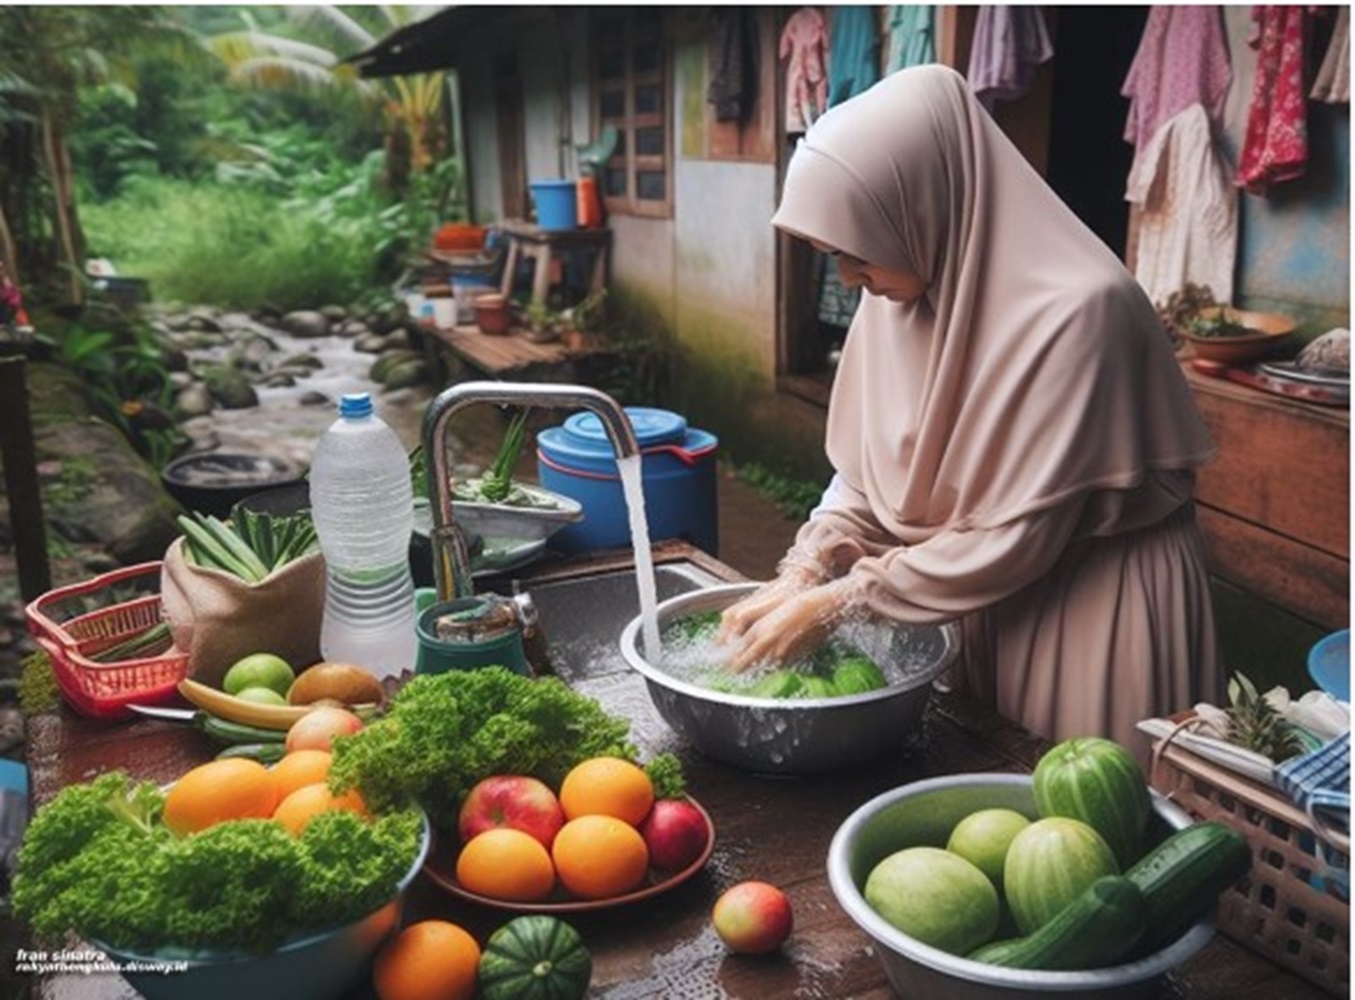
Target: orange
column 308, row 801
column 298, row 768
column 600, row 856
column 607, row 786
column 428, row 960
column 233, row 788
column 507, row 864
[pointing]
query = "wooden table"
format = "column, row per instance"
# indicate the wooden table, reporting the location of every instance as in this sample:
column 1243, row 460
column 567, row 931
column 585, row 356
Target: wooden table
column 541, row 246
column 774, row 829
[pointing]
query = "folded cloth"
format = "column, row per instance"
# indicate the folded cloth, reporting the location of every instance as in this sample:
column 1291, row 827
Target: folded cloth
column 1319, row 782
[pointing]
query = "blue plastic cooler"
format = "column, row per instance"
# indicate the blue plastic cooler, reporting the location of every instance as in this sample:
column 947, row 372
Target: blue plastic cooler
column 677, row 472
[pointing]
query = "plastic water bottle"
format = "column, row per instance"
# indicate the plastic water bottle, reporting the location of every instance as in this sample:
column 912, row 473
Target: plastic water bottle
column 363, row 506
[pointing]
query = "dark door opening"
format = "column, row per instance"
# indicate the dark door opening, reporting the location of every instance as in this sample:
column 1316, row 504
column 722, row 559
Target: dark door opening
column 1088, row 158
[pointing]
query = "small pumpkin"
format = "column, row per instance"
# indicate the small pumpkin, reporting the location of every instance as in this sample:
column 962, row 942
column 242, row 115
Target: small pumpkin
column 535, row 957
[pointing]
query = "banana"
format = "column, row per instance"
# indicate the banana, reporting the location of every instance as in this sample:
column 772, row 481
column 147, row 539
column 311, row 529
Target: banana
column 233, row 709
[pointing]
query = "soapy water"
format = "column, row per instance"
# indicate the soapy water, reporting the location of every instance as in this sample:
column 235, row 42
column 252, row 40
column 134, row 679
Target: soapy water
column 691, row 653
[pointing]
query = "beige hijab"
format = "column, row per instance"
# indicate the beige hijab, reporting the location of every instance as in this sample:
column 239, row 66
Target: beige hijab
column 1034, row 368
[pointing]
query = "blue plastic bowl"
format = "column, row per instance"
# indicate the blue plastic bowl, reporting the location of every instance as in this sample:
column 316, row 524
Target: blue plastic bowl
column 1329, row 664
column 319, row 966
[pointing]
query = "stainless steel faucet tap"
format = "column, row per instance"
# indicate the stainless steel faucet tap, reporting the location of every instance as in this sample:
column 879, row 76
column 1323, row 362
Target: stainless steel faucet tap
column 451, row 561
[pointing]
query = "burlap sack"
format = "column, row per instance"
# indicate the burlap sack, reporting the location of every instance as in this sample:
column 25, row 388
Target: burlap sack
column 219, row 618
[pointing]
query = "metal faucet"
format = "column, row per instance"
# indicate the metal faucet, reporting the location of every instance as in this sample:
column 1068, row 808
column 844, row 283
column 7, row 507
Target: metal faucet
column 451, row 560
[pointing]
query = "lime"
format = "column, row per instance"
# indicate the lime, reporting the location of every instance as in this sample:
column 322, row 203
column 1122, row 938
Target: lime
column 265, row 670
column 982, row 838
column 261, row 695
column 935, row 896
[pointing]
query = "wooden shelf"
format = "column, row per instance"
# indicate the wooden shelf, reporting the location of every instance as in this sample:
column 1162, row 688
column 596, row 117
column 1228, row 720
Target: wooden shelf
column 513, row 353
column 1274, row 505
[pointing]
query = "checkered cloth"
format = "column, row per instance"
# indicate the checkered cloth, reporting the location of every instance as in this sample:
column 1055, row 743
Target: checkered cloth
column 1319, row 782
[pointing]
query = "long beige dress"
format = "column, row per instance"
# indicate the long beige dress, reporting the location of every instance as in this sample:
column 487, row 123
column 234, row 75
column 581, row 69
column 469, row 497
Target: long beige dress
column 1016, row 450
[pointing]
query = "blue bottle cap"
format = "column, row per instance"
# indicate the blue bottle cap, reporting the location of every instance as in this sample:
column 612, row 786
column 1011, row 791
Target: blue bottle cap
column 355, row 405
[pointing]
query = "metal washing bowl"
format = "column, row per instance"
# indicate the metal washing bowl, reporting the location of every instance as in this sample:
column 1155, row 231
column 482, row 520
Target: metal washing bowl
column 801, row 735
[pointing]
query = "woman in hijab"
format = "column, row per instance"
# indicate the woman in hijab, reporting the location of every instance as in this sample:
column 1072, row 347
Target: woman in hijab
column 1013, row 440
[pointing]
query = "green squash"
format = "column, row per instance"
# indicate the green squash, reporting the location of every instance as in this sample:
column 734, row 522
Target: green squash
column 535, row 957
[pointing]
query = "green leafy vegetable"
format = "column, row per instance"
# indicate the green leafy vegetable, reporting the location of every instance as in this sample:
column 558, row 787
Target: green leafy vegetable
column 251, row 546
column 444, row 732
column 499, row 479
column 98, row 862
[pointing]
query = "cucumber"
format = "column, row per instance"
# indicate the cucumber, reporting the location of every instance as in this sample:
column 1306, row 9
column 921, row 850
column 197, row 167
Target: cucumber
column 231, row 733
column 1097, row 929
column 264, row 753
column 1182, row 877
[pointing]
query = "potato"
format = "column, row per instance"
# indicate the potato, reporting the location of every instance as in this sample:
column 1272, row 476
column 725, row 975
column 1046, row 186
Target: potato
column 343, row 682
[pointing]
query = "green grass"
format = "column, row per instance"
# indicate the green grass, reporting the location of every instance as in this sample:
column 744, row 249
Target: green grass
column 229, row 245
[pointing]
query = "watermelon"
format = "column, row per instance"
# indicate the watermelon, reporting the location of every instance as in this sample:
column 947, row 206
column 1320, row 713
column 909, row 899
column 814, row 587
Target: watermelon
column 537, row 957
column 1098, row 782
column 1048, row 865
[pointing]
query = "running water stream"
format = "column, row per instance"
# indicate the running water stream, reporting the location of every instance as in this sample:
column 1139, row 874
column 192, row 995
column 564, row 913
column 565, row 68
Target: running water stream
column 632, row 486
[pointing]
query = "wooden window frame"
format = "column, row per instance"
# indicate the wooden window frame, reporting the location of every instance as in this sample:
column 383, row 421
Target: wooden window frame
column 630, row 122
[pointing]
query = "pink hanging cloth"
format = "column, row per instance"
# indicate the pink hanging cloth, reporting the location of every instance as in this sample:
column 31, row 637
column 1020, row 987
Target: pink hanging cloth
column 804, row 41
column 1276, row 145
column 1182, row 60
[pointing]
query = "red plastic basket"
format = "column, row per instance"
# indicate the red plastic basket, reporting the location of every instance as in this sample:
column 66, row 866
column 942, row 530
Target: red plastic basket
column 74, row 623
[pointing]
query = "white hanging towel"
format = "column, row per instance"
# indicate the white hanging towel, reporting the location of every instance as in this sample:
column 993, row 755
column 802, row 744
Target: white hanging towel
column 1188, row 210
column 1333, row 78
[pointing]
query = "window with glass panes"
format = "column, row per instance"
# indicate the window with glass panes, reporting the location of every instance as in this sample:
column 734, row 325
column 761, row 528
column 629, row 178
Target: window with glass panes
column 629, row 77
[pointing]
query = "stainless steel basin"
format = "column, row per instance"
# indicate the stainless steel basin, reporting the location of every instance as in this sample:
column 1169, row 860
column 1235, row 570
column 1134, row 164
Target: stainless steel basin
column 582, row 619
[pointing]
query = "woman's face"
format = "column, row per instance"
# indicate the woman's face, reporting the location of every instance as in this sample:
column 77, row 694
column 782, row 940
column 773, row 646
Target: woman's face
column 897, row 286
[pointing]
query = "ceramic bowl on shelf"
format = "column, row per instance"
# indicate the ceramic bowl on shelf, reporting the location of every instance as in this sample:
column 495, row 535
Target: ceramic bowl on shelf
column 923, row 813
column 1244, row 337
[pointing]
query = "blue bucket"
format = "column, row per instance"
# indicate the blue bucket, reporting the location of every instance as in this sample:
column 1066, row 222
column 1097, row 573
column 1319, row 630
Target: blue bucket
column 677, row 474
column 557, row 205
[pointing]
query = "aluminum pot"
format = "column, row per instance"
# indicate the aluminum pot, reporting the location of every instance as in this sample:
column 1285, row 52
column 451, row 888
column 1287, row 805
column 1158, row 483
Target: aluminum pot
column 800, row 735
column 923, row 813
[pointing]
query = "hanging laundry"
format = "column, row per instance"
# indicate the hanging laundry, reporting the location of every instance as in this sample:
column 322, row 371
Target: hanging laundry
column 804, row 41
column 1333, row 76
column 733, row 88
column 1182, row 60
column 1009, row 45
column 912, row 36
column 853, row 52
column 1276, row 144
column 1187, row 224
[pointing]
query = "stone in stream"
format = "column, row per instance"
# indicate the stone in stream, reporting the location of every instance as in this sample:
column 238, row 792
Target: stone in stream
column 307, row 323
column 193, row 400
column 230, row 388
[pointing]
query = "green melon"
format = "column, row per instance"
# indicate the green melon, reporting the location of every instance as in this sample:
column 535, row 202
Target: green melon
column 935, row 896
column 1048, row 865
column 1098, row 782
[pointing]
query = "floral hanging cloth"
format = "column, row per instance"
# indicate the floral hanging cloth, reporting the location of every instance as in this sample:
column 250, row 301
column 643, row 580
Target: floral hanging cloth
column 1276, row 145
column 1182, row 59
column 804, row 42
column 1332, row 85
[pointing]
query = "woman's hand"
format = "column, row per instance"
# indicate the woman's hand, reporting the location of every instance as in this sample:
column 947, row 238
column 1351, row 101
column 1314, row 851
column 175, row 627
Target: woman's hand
column 739, row 618
column 793, row 628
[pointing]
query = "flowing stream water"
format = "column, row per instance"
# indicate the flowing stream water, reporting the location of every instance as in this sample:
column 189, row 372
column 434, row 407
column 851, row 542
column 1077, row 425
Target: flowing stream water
column 632, row 486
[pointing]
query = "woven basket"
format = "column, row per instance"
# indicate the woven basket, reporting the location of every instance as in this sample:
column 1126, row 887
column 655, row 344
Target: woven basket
column 1283, row 909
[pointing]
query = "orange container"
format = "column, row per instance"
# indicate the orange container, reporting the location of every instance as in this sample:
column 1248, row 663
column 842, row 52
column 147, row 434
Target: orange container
column 589, row 205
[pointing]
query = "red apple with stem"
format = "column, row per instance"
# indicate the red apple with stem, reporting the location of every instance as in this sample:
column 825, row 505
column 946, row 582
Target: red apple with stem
column 752, row 918
column 518, row 801
column 676, row 832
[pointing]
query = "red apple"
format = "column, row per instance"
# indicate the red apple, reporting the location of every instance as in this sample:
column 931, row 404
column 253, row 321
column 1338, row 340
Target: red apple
column 675, row 832
column 517, row 801
column 752, row 918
